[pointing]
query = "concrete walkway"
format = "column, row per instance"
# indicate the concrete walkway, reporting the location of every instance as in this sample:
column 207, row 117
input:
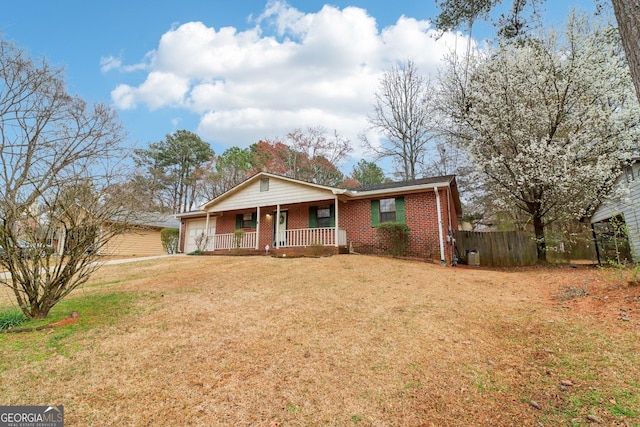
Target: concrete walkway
column 6, row 275
column 127, row 260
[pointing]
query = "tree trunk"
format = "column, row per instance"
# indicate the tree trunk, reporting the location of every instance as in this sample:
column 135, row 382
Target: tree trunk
column 628, row 17
column 37, row 309
column 541, row 244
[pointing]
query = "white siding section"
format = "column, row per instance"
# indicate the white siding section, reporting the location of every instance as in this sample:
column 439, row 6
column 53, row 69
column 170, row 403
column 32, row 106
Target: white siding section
column 280, row 192
column 626, row 201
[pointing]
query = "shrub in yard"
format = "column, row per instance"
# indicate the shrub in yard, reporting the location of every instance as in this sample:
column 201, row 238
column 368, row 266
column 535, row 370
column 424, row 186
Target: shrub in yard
column 11, row 319
column 169, row 238
column 238, row 235
column 196, row 252
column 393, row 237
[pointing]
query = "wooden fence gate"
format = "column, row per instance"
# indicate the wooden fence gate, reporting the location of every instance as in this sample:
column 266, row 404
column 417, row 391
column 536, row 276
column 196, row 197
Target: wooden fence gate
column 497, row 248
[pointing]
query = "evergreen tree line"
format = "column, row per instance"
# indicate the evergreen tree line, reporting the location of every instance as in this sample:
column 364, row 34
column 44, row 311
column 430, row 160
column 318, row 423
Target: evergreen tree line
column 178, row 173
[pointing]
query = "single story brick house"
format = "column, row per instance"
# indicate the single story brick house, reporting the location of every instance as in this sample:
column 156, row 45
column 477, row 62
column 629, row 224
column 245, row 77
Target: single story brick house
column 278, row 213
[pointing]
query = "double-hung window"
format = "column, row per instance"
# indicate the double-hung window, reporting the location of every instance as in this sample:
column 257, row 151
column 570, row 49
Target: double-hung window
column 323, row 217
column 246, row 220
column 387, row 210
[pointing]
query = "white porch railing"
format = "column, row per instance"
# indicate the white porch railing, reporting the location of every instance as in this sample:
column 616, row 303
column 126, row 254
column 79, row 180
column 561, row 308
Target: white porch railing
column 289, row 238
column 313, row 236
column 226, row 241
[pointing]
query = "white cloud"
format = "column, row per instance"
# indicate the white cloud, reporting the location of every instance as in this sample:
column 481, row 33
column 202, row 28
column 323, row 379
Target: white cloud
column 159, row 90
column 291, row 70
column 124, row 97
column 108, row 63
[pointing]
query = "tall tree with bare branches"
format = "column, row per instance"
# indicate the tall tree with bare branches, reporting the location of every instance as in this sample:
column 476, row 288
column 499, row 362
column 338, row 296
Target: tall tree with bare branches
column 59, row 157
column 402, row 113
column 311, row 155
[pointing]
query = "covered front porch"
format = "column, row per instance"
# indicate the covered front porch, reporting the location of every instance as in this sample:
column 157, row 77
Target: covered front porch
column 295, row 238
column 265, row 228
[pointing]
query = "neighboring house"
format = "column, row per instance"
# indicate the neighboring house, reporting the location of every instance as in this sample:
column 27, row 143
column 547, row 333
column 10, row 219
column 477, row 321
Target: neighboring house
column 277, row 212
column 141, row 238
column 616, row 222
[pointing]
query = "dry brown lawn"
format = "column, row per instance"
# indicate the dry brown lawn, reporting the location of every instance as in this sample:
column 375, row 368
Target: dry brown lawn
column 346, row 340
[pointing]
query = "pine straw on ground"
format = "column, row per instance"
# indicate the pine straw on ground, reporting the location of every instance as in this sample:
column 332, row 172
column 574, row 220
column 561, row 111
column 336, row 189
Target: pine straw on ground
column 344, row 340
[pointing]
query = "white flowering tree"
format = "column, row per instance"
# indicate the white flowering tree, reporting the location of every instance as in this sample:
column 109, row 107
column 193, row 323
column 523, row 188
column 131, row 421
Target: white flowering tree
column 515, row 23
column 547, row 121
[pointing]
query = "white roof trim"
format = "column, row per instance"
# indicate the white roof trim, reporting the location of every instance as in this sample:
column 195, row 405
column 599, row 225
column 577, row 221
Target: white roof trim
column 402, row 189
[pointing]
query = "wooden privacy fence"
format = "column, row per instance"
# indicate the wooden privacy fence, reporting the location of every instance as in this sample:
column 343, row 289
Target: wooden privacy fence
column 497, row 248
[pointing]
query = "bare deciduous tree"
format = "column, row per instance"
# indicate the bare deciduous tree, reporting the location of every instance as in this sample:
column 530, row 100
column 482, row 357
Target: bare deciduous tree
column 58, row 158
column 403, row 114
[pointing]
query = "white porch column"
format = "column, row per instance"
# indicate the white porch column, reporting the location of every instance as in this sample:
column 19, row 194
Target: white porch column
column 258, row 228
column 61, row 240
column 442, row 258
column 206, row 231
column 277, row 222
column 336, row 220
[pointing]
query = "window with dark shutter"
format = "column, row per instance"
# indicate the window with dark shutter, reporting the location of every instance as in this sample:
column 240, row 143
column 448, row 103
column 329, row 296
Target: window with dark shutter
column 247, row 220
column 323, row 217
column 387, row 210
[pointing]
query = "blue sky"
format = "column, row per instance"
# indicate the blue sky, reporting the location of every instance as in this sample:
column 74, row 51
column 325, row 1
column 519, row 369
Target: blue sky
column 233, row 71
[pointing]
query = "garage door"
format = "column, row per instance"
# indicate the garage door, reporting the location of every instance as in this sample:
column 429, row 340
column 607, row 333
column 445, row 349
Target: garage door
column 195, row 228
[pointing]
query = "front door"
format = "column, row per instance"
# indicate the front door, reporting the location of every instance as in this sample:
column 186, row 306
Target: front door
column 281, row 231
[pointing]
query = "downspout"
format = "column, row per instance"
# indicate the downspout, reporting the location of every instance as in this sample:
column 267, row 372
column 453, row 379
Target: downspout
column 449, row 207
column 442, row 257
column 452, row 241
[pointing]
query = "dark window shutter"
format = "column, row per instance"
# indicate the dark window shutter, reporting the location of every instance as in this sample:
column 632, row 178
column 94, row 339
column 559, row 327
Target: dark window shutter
column 332, row 215
column 401, row 215
column 313, row 216
column 254, row 219
column 375, row 213
column 238, row 221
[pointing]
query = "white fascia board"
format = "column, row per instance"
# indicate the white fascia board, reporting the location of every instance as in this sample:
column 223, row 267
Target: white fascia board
column 194, row 214
column 397, row 190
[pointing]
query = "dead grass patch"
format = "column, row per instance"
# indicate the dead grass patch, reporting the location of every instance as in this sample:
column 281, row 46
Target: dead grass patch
column 343, row 340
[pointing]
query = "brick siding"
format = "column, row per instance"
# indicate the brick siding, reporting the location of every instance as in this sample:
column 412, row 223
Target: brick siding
column 421, row 218
column 354, row 216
